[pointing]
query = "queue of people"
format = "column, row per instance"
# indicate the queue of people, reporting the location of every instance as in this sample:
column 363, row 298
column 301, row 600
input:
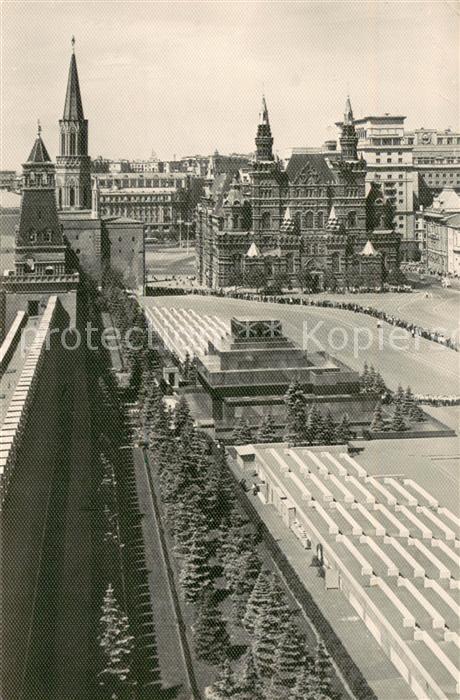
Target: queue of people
column 379, row 314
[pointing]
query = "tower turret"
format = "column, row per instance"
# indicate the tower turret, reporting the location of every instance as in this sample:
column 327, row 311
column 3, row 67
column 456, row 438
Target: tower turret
column 264, row 138
column 349, row 138
column 73, row 171
column 40, row 246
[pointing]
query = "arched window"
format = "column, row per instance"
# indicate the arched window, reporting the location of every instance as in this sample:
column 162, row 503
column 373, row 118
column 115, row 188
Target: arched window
column 297, row 220
column 308, row 219
column 73, row 142
column 320, row 219
column 266, row 220
column 72, row 196
column 60, row 198
column 63, row 144
column 351, row 219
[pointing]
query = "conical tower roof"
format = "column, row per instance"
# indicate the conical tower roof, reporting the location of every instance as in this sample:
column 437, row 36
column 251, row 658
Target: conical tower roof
column 368, row 250
column 253, row 251
column 333, row 224
column 263, row 116
column 39, row 154
column 348, row 114
column 73, row 107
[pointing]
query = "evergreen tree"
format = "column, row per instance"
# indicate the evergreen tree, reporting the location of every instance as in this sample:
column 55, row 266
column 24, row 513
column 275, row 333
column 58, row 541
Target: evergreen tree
column 295, row 413
column 250, row 686
column 267, row 430
column 416, row 414
column 397, row 423
column 219, row 490
column 186, row 366
column 408, row 402
column 288, row 658
column 399, row 396
column 195, row 576
column 306, row 683
column 159, row 429
column 343, row 432
column 225, row 686
column 182, row 419
column 364, row 379
column 313, row 425
column 329, row 429
column 242, row 434
column 117, row 645
column 245, row 573
column 258, row 598
column 377, row 424
column 323, row 670
column 210, row 635
column 267, row 633
column 320, row 429
column 379, row 385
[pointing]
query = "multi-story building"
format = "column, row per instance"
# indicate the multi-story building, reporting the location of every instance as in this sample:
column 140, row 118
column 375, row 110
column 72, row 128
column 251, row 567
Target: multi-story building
column 442, row 233
column 162, row 201
column 390, row 169
column 310, row 215
column 436, row 157
column 8, row 179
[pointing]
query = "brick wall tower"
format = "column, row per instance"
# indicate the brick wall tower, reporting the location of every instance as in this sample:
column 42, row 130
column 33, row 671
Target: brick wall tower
column 73, row 171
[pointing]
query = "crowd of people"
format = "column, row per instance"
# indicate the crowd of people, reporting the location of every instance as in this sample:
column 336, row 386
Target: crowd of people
column 439, row 400
column 415, row 330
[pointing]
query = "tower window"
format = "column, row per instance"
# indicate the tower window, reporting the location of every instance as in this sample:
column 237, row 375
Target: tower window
column 32, row 237
column 47, row 236
column 320, row 219
column 60, row 198
column 72, row 196
column 266, row 220
column 62, row 144
column 308, row 219
column 73, row 142
column 351, row 218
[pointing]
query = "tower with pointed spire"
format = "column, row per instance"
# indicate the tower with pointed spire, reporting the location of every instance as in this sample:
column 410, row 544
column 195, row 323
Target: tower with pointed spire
column 73, row 171
column 42, row 264
column 348, row 137
column 40, row 247
column 264, row 138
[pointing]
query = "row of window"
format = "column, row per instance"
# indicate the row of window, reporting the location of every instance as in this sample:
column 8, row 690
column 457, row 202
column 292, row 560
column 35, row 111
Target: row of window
column 434, row 160
column 43, row 236
column 308, row 192
column 308, row 220
column 136, row 198
column 389, row 160
column 147, row 182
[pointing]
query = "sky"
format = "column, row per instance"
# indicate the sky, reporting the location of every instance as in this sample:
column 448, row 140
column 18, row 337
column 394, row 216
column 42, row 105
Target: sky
column 182, row 78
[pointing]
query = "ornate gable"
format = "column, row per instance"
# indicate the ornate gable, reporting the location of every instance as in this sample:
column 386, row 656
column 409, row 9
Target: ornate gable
column 307, row 176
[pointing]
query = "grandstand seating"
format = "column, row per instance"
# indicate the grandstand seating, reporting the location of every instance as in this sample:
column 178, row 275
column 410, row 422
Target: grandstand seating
column 394, row 547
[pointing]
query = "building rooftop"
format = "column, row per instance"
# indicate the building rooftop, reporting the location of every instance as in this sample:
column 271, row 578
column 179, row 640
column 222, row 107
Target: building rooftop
column 316, row 161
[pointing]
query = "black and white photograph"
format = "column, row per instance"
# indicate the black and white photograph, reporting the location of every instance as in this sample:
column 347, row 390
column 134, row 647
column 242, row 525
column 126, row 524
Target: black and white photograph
column 229, row 350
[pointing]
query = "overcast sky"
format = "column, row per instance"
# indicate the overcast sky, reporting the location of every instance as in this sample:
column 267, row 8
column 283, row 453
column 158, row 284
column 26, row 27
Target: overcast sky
column 187, row 77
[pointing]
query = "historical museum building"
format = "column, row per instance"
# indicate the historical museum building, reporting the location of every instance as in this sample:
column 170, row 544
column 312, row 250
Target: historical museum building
column 309, row 216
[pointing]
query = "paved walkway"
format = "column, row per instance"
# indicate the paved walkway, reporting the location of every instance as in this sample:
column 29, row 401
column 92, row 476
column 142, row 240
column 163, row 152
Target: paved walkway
column 172, row 666
column 10, row 378
column 379, row 672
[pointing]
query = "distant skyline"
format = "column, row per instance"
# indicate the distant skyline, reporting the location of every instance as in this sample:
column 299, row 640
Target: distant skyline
column 183, row 78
